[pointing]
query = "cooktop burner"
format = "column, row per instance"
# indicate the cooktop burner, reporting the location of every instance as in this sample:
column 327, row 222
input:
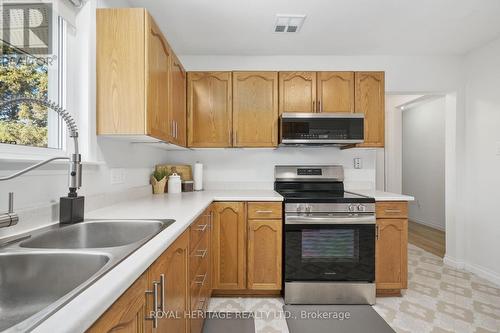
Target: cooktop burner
column 322, row 196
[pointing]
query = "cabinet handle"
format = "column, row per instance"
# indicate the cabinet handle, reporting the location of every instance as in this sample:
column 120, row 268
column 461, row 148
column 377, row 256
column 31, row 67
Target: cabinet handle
column 202, row 282
column 376, row 232
column 154, row 292
column 393, row 210
column 263, row 211
column 201, row 304
column 176, row 129
column 202, row 254
column 162, row 286
column 320, row 107
column 314, row 106
column 201, row 227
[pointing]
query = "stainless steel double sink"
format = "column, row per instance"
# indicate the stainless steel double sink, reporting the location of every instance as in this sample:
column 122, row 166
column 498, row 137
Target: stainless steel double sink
column 42, row 273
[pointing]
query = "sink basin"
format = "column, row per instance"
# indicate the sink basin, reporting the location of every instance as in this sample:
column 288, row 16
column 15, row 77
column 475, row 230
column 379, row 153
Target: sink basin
column 95, row 234
column 30, row 282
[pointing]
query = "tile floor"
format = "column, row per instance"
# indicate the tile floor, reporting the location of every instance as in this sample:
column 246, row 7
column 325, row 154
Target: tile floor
column 439, row 299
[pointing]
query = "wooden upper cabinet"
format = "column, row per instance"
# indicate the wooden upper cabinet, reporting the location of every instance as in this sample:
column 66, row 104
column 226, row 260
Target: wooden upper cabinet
column 173, row 264
column 255, row 109
column 127, row 313
column 229, row 246
column 178, row 101
column 297, row 92
column 370, row 100
column 157, row 82
column 209, row 109
column 335, row 92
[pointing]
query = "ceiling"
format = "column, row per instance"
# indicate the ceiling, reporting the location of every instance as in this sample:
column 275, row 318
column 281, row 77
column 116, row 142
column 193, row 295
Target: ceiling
column 332, row 27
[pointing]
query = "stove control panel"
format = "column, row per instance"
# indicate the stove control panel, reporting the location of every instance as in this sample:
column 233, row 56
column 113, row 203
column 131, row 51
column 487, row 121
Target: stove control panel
column 330, row 208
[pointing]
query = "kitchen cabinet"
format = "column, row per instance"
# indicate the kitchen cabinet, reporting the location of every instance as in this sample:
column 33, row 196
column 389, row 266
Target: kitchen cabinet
column 127, row 313
column 370, row 100
column 335, row 92
column 170, row 274
column 229, row 246
column 297, row 92
column 209, row 109
column 391, row 248
column 140, row 89
column 255, row 109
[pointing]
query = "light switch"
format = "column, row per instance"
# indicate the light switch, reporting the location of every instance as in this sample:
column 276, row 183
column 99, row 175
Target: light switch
column 358, row 163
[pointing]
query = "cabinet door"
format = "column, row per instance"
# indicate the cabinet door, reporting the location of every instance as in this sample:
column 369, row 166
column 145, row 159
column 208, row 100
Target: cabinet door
column 297, row 92
column 255, row 109
column 391, row 269
column 173, row 264
column 370, row 100
column 229, row 246
column 209, row 109
column 178, row 102
column 157, row 83
column 336, row 91
column 127, row 314
column 264, row 254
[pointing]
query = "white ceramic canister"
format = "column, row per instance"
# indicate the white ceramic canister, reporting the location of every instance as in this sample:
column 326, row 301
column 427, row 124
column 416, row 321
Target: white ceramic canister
column 174, row 183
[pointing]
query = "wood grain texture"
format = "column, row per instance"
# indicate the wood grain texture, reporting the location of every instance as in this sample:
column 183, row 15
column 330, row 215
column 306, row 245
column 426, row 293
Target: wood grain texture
column 158, row 55
column 370, row 100
column 210, row 109
column 127, row 314
column 178, row 108
column 229, row 245
column 120, row 76
column 264, row 254
column 392, row 209
column 336, row 92
column 265, row 210
column 297, row 92
column 174, row 263
column 427, row 238
column 255, row 109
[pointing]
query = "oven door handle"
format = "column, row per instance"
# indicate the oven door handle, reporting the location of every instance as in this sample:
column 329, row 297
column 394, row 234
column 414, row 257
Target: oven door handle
column 302, row 219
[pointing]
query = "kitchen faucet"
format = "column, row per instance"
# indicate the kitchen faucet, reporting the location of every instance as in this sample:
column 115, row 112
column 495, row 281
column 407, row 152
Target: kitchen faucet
column 70, row 207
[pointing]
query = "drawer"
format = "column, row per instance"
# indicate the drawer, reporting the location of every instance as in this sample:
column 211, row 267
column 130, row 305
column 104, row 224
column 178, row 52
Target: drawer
column 200, row 255
column 265, row 210
column 392, row 209
column 198, row 229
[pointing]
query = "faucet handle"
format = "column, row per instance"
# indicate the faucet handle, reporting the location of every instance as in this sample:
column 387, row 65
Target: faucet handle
column 11, row 202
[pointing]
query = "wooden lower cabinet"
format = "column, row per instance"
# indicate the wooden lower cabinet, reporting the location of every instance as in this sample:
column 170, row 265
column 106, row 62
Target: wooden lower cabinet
column 264, row 254
column 127, row 314
column 391, row 252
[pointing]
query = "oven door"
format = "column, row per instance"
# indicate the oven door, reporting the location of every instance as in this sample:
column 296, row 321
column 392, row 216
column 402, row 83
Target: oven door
column 316, row 251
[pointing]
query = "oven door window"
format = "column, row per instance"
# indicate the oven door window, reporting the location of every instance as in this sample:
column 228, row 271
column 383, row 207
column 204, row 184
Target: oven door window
column 330, row 253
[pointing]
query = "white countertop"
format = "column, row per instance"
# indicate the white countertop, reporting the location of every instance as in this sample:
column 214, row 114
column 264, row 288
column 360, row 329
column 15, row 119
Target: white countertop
column 85, row 309
column 382, row 196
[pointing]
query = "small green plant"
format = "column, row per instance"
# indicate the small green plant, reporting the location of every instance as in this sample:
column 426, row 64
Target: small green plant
column 159, row 174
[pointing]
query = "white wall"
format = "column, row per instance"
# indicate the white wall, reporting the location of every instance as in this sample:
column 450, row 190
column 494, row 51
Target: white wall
column 424, row 161
column 482, row 166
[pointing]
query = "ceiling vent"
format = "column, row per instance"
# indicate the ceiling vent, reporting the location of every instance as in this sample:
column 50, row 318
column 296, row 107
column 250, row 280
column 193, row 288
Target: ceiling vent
column 288, row 23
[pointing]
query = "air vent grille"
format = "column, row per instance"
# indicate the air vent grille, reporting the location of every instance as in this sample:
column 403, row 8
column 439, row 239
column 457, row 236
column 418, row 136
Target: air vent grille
column 288, row 23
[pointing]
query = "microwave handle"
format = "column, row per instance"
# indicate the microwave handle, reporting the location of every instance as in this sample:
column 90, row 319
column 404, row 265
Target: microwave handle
column 298, row 219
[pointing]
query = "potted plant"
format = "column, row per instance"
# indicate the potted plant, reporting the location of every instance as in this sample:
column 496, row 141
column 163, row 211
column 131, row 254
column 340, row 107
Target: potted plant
column 159, row 180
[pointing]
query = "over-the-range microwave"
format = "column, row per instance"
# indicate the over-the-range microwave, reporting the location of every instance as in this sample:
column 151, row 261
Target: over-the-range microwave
column 336, row 129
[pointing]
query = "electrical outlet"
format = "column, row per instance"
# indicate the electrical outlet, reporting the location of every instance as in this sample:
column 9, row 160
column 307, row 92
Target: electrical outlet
column 358, row 163
column 117, row 176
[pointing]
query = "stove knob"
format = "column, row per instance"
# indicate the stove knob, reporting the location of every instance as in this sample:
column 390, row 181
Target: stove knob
column 361, row 208
column 350, row 208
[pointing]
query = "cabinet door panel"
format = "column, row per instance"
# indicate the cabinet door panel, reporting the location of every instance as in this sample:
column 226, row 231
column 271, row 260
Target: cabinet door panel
column 391, row 254
column 178, row 102
column 370, row 100
column 209, row 109
column 229, row 246
column 255, row 109
column 297, row 92
column 174, row 265
column 264, row 254
column 336, row 91
column 127, row 314
column 158, row 81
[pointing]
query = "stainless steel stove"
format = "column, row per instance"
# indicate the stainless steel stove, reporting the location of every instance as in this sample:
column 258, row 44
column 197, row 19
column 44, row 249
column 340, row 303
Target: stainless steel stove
column 329, row 237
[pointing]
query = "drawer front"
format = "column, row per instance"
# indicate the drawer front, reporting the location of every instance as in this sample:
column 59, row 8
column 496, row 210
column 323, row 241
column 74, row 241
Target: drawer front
column 265, row 210
column 200, row 255
column 392, row 209
column 200, row 228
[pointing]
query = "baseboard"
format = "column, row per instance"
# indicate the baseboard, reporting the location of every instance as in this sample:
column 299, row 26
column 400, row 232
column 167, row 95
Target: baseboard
column 482, row 272
column 426, row 223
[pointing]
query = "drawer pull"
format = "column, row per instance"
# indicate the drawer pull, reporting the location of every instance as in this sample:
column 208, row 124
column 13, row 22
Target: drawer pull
column 154, row 292
column 263, row 211
column 201, row 227
column 393, row 211
column 203, row 278
column 201, row 253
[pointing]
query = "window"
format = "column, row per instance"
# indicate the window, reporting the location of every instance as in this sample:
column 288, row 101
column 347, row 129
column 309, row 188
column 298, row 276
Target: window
column 32, row 54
